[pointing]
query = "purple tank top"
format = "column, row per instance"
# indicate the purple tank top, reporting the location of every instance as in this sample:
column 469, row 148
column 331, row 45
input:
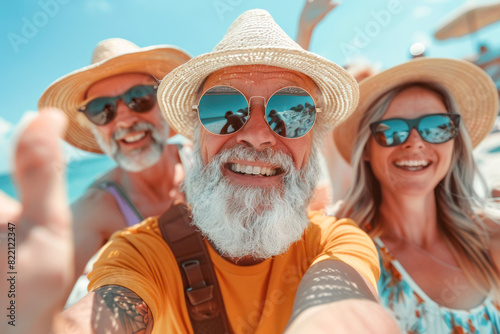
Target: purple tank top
column 129, row 211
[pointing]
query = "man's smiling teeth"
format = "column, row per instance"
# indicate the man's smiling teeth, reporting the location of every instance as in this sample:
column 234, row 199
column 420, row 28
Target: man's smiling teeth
column 134, row 138
column 253, row 170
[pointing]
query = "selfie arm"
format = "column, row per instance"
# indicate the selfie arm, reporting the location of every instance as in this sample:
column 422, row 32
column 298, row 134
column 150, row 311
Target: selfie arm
column 332, row 294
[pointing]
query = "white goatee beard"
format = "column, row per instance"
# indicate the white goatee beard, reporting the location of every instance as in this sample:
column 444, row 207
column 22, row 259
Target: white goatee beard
column 249, row 220
column 141, row 158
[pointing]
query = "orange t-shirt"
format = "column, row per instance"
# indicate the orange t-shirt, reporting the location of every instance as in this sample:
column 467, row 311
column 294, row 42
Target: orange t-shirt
column 258, row 298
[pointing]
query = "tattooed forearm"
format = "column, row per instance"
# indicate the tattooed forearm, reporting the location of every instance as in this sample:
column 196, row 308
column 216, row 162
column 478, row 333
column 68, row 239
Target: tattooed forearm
column 127, row 309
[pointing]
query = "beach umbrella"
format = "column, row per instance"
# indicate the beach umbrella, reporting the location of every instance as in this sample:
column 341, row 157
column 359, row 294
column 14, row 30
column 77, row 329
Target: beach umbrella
column 468, row 18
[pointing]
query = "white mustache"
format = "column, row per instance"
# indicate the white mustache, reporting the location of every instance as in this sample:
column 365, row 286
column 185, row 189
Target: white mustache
column 120, row 133
column 247, row 153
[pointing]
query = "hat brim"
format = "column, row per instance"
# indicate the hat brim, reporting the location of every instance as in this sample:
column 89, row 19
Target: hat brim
column 68, row 92
column 178, row 91
column 470, row 87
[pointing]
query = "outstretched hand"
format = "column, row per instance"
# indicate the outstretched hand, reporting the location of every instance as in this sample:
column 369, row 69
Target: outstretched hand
column 313, row 12
column 43, row 233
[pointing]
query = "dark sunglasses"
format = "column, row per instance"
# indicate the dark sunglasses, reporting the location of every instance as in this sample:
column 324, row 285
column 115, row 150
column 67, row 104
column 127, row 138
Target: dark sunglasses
column 433, row 128
column 102, row 110
column 290, row 111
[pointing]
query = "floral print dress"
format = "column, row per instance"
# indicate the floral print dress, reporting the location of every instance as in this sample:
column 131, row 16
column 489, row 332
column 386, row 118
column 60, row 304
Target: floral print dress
column 417, row 313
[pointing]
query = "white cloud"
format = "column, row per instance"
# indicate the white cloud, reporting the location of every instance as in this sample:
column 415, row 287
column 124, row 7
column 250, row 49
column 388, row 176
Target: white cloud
column 98, row 5
column 421, row 12
column 5, row 127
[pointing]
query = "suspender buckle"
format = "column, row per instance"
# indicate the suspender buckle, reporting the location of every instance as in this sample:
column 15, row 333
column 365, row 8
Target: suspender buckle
column 198, row 292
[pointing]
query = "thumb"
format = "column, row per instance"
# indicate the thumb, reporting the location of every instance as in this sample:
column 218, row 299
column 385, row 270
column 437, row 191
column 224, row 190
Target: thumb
column 39, row 169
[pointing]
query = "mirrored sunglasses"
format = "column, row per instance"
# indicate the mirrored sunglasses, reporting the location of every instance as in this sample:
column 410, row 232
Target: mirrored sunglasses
column 102, row 110
column 290, row 112
column 433, row 128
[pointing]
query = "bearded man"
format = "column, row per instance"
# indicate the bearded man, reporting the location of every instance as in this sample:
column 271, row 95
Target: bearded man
column 111, row 108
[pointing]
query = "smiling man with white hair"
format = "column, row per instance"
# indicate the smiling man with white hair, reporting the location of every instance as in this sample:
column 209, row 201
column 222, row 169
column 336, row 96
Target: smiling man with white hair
column 261, row 262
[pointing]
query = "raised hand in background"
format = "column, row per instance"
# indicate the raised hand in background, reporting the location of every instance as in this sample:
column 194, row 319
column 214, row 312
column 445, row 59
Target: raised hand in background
column 313, row 12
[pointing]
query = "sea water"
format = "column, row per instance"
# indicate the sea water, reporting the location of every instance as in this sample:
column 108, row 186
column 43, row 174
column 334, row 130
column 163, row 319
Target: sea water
column 79, row 175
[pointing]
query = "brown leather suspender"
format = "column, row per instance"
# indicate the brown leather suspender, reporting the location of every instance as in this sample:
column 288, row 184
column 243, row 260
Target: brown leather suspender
column 203, row 297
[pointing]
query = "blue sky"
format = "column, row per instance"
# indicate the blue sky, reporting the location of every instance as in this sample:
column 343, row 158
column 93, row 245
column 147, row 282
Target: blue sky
column 43, row 40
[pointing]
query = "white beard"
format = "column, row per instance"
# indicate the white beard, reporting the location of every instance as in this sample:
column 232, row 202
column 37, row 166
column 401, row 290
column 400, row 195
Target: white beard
column 249, row 220
column 138, row 159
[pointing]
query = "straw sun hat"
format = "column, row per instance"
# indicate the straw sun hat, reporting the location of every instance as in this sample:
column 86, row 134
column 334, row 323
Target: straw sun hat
column 255, row 38
column 111, row 57
column 470, row 87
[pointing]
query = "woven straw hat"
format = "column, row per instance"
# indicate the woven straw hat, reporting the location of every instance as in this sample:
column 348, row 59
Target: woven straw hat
column 111, row 57
column 255, row 38
column 470, row 87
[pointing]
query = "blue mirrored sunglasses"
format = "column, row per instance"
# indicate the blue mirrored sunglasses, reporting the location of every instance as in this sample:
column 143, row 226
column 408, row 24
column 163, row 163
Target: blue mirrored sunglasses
column 290, row 111
column 102, row 110
column 433, row 128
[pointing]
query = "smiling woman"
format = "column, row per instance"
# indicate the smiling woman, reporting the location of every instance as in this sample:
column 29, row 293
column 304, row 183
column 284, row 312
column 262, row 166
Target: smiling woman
column 416, row 126
column 410, row 165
